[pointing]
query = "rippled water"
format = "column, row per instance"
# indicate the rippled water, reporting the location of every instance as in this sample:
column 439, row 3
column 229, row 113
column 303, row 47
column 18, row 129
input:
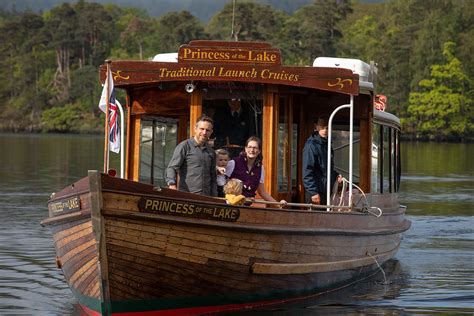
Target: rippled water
column 433, row 272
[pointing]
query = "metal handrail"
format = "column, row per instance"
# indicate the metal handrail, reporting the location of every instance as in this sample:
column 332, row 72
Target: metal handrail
column 351, row 130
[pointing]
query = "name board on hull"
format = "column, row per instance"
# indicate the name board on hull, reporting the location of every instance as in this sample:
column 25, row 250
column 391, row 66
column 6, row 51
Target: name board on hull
column 188, row 209
column 65, row 205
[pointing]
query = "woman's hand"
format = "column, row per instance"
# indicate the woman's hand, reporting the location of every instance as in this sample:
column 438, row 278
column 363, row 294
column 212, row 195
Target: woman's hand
column 282, row 203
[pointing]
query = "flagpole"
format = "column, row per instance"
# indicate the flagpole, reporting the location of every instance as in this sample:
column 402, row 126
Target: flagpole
column 106, row 137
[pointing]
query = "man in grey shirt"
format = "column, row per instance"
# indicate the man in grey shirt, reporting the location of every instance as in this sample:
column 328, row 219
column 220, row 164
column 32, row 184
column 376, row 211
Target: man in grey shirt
column 195, row 162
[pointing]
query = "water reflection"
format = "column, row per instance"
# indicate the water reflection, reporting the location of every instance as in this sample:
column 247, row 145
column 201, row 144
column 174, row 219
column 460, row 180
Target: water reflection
column 437, row 179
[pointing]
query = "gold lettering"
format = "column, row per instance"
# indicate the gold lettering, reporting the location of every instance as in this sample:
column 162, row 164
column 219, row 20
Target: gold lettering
column 186, row 52
column 218, row 213
column 173, row 207
column 169, row 208
column 191, row 209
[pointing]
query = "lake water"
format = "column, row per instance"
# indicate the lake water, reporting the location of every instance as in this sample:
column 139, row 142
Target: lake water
column 433, row 272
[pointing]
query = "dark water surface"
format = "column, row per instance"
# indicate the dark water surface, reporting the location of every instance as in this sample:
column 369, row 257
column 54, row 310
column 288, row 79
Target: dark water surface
column 433, row 272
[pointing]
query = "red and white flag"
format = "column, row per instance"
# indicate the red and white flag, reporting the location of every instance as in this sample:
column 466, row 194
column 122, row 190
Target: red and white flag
column 380, row 102
column 114, row 128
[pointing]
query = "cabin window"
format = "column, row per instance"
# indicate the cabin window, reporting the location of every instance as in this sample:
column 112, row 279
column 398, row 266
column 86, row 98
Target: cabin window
column 283, row 155
column 393, row 160
column 376, row 162
column 158, row 139
column 398, row 169
column 340, row 145
column 386, row 161
column 294, row 156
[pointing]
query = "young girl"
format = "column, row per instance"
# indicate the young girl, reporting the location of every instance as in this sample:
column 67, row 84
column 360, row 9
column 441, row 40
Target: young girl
column 233, row 192
column 222, row 157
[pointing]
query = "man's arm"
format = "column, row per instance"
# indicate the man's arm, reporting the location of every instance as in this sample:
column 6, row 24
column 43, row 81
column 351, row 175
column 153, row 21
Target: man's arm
column 309, row 162
column 213, row 176
column 175, row 164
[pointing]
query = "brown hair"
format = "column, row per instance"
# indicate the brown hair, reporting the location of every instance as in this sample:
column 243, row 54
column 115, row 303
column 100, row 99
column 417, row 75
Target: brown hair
column 320, row 123
column 205, row 118
column 254, row 139
column 259, row 158
column 233, row 186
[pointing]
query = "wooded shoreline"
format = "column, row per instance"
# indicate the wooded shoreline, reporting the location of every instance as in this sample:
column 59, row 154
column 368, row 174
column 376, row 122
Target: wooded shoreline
column 49, row 62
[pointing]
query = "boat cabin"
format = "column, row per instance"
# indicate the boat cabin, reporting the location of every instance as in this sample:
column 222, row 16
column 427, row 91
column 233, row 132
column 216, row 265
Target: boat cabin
column 247, row 90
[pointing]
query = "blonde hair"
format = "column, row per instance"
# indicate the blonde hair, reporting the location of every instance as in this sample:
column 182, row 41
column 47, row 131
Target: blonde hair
column 233, row 186
column 222, row 152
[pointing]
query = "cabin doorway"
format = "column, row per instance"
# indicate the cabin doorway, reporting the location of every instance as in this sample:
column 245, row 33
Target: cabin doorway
column 158, row 139
column 236, row 109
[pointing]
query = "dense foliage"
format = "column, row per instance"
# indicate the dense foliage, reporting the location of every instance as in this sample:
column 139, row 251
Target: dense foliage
column 49, row 62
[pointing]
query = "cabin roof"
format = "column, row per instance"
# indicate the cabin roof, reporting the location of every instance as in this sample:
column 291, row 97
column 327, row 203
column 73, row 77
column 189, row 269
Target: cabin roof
column 387, row 119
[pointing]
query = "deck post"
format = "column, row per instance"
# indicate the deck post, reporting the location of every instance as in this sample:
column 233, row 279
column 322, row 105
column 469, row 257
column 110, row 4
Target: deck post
column 98, row 228
column 107, row 106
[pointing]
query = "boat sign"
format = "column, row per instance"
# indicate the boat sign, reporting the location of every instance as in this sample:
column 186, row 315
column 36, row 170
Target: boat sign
column 188, row 209
column 65, row 205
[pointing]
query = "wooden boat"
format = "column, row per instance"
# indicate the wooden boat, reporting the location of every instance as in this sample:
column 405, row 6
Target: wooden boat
column 133, row 247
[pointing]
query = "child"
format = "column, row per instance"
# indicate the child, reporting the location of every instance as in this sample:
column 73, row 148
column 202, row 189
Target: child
column 233, row 192
column 222, row 158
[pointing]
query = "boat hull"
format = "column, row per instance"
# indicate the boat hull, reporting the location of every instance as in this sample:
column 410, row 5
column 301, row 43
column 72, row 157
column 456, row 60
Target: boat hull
column 120, row 257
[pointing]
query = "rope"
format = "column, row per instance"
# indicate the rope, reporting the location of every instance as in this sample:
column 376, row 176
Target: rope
column 383, row 272
column 373, row 210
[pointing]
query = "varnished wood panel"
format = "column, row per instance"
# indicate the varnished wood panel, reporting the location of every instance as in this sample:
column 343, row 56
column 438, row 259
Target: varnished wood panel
column 145, row 73
column 195, row 110
column 168, row 102
column 269, row 140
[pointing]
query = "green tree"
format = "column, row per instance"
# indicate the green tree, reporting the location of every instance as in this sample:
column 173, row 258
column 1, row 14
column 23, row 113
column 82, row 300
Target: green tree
column 175, row 29
column 438, row 18
column 94, row 34
column 135, row 34
column 442, row 108
column 252, row 22
column 23, row 60
column 61, row 23
column 360, row 40
column 320, row 26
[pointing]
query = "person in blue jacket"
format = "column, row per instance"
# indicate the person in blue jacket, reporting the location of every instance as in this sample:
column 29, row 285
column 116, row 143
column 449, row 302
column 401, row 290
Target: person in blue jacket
column 315, row 162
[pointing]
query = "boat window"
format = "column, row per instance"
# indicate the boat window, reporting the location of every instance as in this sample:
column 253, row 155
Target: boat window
column 386, row 162
column 158, row 139
column 393, row 160
column 237, row 112
column 340, row 143
column 283, row 155
column 376, row 162
column 397, row 160
column 294, row 156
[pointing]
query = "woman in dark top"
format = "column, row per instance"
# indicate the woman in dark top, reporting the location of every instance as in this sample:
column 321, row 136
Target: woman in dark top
column 248, row 168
